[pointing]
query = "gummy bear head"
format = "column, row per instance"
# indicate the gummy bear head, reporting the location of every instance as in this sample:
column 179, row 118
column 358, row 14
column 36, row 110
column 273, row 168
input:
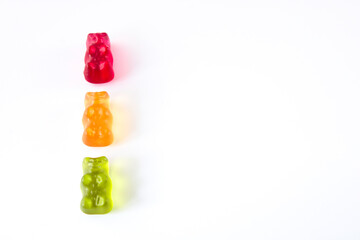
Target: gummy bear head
column 92, row 165
column 94, row 38
column 101, row 98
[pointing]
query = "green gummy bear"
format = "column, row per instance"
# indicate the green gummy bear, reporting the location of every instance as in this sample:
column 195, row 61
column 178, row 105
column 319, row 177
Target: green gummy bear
column 96, row 186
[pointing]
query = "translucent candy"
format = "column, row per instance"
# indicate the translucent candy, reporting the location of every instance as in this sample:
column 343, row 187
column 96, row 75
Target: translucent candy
column 96, row 186
column 98, row 59
column 97, row 120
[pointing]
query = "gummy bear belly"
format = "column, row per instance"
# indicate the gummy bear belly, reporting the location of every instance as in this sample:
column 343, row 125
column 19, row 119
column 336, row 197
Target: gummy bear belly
column 98, row 72
column 95, row 137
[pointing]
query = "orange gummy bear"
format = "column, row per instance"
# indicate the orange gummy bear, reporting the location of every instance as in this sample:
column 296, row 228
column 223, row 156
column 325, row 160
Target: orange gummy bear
column 97, row 120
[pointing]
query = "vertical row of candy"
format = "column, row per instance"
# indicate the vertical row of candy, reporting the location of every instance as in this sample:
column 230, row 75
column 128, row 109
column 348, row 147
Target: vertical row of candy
column 96, row 184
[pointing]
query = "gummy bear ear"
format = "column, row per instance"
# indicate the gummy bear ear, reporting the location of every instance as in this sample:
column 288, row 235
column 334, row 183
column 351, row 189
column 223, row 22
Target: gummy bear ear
column 92, row 38
column 104, row 39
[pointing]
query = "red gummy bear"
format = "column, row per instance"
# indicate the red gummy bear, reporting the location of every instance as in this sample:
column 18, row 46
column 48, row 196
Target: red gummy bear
column 98, row 59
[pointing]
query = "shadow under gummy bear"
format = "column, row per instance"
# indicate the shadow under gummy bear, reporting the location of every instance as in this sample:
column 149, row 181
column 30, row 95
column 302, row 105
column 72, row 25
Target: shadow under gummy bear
column 122, row 124
column 122, row 64
column 122, row 171
column 123, row 176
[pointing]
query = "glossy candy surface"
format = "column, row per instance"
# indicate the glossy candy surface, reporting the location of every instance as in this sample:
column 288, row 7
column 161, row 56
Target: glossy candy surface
column 96, row 186
column 98, row 59
column 97, row 120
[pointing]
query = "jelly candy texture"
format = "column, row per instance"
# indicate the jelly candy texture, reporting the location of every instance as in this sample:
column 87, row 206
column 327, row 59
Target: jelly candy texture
column 98, row 59
column 97, row 120
column 96, row 186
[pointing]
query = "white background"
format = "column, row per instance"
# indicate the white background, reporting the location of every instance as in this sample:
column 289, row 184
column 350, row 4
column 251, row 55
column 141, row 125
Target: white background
column 234, row 119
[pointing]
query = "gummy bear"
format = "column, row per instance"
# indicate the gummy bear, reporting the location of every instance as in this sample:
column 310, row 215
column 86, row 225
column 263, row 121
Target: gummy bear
column 96, row 186
column 98, row 59
column 97, row 120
